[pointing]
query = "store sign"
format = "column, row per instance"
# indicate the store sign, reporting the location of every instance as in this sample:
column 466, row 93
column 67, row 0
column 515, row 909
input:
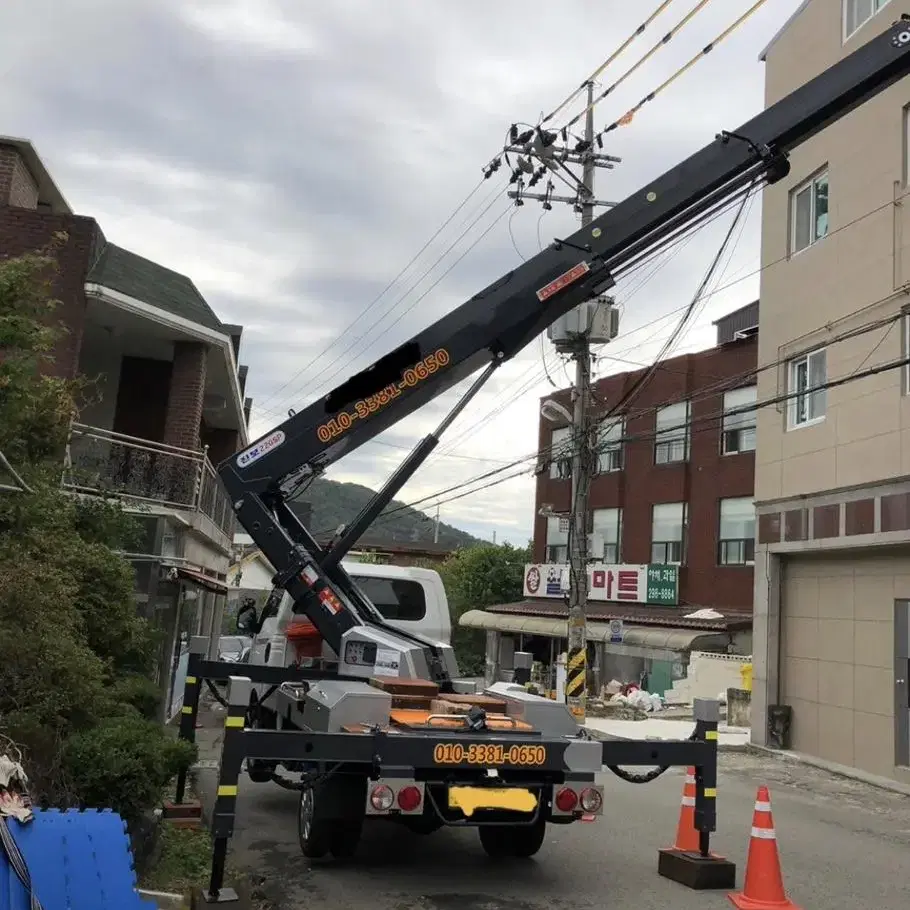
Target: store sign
column 641, row 584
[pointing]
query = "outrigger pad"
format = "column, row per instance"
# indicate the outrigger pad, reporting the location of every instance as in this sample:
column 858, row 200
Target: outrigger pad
column 227, row 898
column 701, row 873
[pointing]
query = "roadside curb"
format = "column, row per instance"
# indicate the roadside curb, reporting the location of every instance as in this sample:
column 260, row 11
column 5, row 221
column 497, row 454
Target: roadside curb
column 862, row 777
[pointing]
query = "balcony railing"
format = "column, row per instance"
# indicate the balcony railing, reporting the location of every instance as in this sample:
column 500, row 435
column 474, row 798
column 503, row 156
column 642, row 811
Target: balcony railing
column 105, row 463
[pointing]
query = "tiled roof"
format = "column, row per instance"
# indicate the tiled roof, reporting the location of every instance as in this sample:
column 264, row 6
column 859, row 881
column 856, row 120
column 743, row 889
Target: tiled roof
column 123, row 271
column 634, row 614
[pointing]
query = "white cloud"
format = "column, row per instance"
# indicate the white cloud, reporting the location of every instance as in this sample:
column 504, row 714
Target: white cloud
column 291, row 158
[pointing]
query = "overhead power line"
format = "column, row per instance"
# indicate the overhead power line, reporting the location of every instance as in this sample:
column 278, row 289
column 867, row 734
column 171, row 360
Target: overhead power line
column 629, row 114
column 703, row 423
column 382, row 293
column 670, row 35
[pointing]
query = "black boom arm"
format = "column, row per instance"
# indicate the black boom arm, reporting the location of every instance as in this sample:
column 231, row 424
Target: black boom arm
column 501, row 320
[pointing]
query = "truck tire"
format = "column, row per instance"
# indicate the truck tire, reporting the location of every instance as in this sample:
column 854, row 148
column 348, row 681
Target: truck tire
column 313, row 833
column 521, row 841
column 330, row 817
column 257, row 771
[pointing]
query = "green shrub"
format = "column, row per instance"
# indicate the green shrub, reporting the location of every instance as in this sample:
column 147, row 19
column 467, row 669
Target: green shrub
column 124, row 762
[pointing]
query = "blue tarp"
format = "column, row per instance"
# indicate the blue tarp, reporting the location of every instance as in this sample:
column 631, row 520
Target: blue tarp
column 78, row 860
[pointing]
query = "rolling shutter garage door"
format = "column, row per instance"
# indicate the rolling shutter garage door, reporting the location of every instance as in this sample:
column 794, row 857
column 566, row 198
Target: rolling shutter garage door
column 837, row 654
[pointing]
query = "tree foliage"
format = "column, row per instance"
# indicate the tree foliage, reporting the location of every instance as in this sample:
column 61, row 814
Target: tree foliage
column 76, row 661
column 479, row 577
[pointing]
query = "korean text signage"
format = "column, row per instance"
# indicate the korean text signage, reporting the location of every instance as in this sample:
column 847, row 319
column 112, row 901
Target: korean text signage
column 641, row 584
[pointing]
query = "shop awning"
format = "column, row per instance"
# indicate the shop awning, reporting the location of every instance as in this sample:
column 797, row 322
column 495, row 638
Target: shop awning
column 655, row 643
column 201, row 579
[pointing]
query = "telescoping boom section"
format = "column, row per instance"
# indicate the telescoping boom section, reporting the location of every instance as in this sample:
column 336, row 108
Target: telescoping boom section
column 502, row 319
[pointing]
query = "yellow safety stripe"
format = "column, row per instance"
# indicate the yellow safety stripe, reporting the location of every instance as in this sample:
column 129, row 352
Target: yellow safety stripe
column 187, row 709
column 227, row 790
column 577, row 661
column 234, row 721
column 711, row 792
column 711, row 734
column 191, row 680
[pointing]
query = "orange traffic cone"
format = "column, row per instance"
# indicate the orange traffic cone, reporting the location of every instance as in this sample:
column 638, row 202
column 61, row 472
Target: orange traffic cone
column 763, row 888
column 686, row 835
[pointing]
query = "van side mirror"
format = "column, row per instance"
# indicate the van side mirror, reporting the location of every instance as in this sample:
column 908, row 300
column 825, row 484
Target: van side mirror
column 247, row 620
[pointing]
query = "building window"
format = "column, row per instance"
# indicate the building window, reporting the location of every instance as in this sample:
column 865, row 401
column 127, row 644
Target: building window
column 557, row 539
column 809, row 212
column 668, row 532
column 736, row 535
column 739, row 421
column 609, row 448
column 858, row 12
column 806, row 382
column 561, row 454
column 607, row 528
column 672, row 438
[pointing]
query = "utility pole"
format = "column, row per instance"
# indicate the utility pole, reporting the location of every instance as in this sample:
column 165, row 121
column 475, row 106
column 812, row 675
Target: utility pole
column 577, row 658
column 538, row 155
column 436, row 526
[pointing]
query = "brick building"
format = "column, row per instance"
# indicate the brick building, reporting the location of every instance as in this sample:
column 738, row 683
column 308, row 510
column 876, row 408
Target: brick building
column 671, row 522
column 166, row 401
column 674, row 483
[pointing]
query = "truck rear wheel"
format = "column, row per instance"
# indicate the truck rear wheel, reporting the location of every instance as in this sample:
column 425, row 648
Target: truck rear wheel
column 523, row 841
column 330, row 817
column 259, row 772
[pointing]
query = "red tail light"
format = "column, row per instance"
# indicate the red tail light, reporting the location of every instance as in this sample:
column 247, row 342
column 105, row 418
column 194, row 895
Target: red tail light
column 566, row 800
column 408, row 799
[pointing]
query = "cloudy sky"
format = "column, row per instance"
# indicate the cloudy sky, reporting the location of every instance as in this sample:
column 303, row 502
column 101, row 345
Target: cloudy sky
column 293, row 157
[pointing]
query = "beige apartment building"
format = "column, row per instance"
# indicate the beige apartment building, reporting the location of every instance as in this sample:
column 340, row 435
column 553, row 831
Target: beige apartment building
column 832, row 473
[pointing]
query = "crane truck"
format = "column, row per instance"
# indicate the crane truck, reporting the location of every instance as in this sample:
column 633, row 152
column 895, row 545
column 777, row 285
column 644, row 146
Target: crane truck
column 513, row 770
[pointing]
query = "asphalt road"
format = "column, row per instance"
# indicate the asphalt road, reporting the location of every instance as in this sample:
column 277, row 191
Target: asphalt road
column 843, row 844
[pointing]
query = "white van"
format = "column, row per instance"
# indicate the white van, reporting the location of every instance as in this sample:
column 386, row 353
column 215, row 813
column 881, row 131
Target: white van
column 409, row 598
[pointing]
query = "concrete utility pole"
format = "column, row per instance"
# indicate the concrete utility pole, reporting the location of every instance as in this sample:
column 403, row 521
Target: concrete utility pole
column 436, row 526
column 594, row 322
column 577, row 658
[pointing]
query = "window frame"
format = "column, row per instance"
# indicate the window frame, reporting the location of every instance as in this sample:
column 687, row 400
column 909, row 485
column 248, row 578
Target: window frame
column 746, row 547
column 682, row 543
column 664, row 439
column 878, row 5
column 612, row 453
column 557, row 436
column 753, row 425
column 549, row 547
column 905, row 350
column 793, row 398
column 809, row 184
column 618, row 545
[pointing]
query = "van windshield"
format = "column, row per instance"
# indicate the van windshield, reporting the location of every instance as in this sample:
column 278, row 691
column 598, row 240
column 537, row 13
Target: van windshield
column 395, row 598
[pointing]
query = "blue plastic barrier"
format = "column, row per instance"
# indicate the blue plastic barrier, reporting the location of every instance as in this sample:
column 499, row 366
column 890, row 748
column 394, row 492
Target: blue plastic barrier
column 78, row 860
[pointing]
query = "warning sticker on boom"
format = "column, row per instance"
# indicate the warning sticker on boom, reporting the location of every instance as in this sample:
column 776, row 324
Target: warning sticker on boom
column 563, row 281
